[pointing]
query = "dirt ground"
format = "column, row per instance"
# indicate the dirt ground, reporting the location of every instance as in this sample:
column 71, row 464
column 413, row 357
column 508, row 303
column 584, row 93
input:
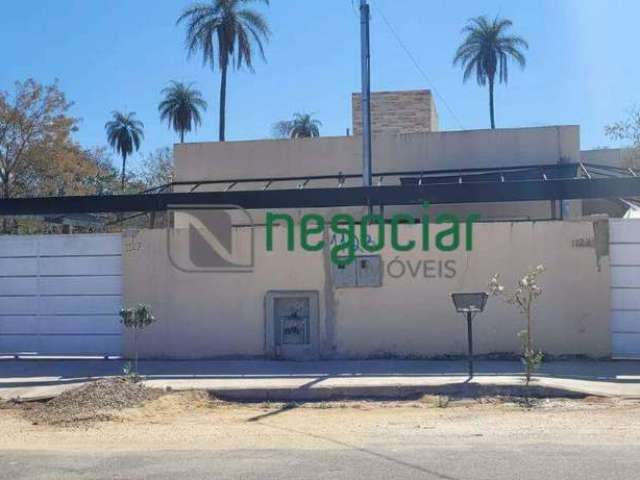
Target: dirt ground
column 192, row 420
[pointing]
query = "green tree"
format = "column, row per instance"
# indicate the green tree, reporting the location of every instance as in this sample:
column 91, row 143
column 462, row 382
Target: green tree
column 38, row 156
column 34, row 126
column 124, row 134
column 157, row 169
column 104, row 180
column 181, row 107
column 486, row 51
column 228, row 30
column 303, row 125
column 628, row 131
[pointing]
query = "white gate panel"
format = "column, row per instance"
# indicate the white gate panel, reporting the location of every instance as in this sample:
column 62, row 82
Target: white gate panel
column 61, row 294
column 106, row 285
column 624, row 231
column 625, row 345
column 79, row 266
column 78, row 343
column 625, row 320
column 80, row 245
column 16, row 325
column 18, row 286
column 624, row 255
column 11, row 267
column 625, row 277
column 20, row 343
column 625, row 298
column 24, row 305
column 20, row 245
column 94, row 325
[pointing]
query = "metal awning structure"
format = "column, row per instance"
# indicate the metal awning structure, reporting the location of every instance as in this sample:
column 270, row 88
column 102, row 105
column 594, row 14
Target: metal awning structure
column 565, row 181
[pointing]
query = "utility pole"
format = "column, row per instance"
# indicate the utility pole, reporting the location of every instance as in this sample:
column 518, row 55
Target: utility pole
column 365, row 97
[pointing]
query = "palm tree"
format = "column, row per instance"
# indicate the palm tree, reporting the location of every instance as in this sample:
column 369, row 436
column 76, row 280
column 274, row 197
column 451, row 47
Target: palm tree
column 124, row 134
column 486, row 51
column 303, row 125
column 181, row 107
column 228, row 30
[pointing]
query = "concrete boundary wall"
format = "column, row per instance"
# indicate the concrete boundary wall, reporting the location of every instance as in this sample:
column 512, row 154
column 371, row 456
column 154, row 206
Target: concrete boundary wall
column 219, row 315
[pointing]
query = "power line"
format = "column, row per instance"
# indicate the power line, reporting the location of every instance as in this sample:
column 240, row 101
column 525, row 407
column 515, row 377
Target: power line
column 415, row 63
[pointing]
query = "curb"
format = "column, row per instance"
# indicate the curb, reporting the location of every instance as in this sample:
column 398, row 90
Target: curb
column 404, row 392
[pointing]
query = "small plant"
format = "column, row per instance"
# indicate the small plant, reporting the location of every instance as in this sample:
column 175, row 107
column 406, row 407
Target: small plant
column 129, row 372
column 136, row 318
column 524, row 298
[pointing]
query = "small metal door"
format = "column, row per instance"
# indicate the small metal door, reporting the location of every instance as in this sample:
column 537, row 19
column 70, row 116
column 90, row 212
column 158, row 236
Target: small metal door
column 292, row 325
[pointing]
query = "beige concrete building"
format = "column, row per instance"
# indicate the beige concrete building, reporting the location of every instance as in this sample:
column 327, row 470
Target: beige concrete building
column 513, row 147
column 425, row 151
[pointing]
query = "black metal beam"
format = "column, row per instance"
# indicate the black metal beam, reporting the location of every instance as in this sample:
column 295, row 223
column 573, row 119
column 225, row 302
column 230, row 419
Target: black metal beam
column 565, row 170
column 508, row 191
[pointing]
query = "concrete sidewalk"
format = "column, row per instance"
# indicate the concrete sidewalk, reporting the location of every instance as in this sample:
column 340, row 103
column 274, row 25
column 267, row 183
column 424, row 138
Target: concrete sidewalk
column 256, row 380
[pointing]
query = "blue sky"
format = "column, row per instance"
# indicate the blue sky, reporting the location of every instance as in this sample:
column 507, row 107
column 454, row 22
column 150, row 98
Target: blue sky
column 118, row 54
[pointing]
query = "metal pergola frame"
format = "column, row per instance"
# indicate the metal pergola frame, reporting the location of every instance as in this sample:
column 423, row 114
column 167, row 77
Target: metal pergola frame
column 565, row 181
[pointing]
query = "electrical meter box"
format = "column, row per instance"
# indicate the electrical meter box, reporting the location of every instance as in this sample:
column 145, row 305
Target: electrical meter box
column 364, row 271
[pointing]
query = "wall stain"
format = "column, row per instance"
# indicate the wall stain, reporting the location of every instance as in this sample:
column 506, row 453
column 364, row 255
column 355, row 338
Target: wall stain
column 328, row 345
column 601, row 239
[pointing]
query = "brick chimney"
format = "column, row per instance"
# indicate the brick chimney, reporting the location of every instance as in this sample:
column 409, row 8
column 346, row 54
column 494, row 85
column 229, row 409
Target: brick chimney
column 409, row 111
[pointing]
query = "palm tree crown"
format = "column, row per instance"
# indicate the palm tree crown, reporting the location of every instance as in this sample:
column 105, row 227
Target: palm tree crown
column 181, row 107
column 303, row 125
column 124, row 134
column 225, row 31
column 485, row 52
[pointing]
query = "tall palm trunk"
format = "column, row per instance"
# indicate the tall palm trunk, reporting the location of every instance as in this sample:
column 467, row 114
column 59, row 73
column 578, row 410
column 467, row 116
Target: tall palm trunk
column 223, row 99
column 491, row 112
column 181, row 136
column 124, row 167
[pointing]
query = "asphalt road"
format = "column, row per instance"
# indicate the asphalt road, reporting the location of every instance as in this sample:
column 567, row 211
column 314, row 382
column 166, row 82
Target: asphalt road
column 450, row 462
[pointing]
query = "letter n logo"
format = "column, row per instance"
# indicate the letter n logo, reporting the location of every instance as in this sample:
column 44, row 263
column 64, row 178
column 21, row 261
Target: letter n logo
column 211, row 239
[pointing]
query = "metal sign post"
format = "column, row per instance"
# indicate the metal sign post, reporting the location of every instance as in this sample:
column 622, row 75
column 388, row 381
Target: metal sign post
column 470, row 342
column 469, row 304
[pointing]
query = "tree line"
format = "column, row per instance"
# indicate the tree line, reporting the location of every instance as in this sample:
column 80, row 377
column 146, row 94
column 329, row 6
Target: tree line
column 228, row 34
column 38, row 156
